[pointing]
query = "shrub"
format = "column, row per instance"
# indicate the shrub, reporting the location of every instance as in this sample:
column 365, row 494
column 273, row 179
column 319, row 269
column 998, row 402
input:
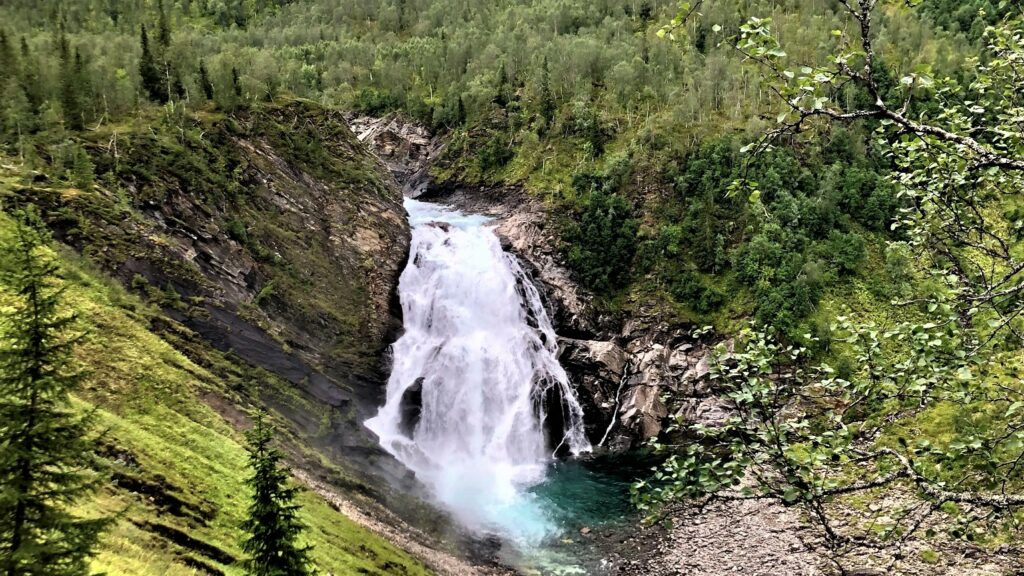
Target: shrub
column 495, row 153
column 587, row 123
column 845, row 251
column 687, row 288
column 602, row 237
column 899, row 264
column 375, row 102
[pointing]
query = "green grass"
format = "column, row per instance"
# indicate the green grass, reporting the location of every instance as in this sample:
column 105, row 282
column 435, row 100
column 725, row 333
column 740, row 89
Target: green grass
column 929, row 556
column 180, row 495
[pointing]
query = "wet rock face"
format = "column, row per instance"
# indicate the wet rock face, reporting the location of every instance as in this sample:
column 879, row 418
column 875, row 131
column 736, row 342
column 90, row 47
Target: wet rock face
column 667, row 371
column 525, row 234
column 407, row 149
column 412, row 407
column 598, row 369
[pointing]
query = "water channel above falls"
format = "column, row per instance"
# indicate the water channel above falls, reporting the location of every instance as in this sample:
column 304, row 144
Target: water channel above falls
column 477, row 404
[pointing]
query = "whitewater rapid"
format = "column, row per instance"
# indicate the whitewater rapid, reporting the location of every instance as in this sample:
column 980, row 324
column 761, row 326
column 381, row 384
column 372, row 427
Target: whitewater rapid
column 479, row 352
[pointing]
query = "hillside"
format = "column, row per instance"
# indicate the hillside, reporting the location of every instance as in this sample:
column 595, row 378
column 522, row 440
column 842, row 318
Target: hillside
column 199, row 294
column 564, row 98
column 676, row 278
column 176, row 464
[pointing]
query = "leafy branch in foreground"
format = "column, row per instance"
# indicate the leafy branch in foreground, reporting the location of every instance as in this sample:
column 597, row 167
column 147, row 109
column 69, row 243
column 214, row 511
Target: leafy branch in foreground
column 924, row 415
column 957, row 150
column 803, row 434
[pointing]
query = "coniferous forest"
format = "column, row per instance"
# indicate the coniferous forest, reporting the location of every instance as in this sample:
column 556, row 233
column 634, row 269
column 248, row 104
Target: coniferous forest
column 777, row 243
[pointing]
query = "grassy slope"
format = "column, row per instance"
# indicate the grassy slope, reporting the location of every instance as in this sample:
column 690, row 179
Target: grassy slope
column 179, row 466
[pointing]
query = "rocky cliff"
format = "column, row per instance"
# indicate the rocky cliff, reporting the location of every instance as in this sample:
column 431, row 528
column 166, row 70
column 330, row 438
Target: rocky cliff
column 406, row 148
column 270, row 236
column 624, row 366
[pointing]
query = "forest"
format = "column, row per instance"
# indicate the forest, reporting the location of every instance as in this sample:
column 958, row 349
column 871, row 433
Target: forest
column 567, row 97
column 828, row 192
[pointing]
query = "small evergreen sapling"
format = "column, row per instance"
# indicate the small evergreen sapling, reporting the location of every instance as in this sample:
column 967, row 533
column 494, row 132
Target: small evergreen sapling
column 273, row 527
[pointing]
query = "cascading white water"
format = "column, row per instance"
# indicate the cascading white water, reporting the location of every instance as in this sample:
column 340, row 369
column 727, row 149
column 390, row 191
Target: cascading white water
column 479, row 350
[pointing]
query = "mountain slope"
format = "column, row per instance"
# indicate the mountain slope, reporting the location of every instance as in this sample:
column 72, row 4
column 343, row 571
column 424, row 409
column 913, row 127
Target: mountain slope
column 177, row 465
column 222, row 262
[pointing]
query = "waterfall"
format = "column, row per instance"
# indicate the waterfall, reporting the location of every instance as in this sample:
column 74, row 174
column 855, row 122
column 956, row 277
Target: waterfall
column 473, row 372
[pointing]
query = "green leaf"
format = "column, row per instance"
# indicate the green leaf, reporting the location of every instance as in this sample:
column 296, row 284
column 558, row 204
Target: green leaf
column 790, row 495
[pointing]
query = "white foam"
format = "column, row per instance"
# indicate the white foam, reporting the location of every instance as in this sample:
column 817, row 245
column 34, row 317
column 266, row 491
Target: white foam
column 479, row 444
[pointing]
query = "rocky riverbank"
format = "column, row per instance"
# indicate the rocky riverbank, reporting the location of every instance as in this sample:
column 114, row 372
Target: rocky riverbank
column 634, row 373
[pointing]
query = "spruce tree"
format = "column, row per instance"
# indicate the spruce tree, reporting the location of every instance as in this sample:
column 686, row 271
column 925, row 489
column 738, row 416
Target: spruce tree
column 68, row 100
column 547, row 101
column 273, row 526
column 73, row 89
column 8, row 60
column 44, row 445
column 175, row 87
column 152, row 81
column 502, row 97
column 236, row 82
column 30, row 77
column 204, row 81
column 82, row 86
column 163, row 27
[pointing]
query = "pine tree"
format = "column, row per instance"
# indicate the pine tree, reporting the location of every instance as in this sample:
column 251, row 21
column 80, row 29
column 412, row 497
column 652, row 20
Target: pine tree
column 152, row 82
column 163, row 27
column 43, row 443
column 547, row 100
column 273, row 525
column 204, row 81
column 8, row 60
column 236, row 82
